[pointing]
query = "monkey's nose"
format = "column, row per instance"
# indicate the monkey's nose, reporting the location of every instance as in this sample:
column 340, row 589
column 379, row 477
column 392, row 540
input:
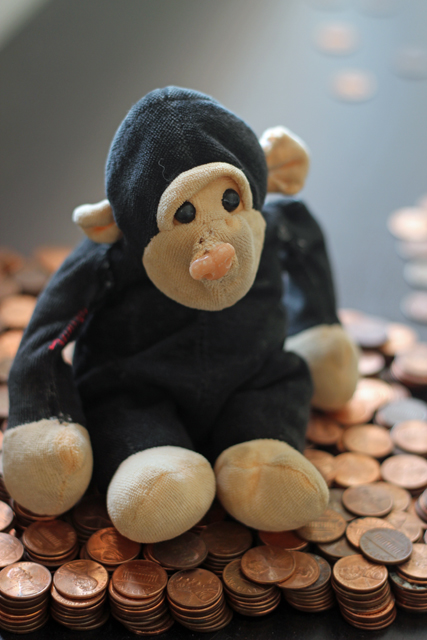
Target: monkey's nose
column 215, row 264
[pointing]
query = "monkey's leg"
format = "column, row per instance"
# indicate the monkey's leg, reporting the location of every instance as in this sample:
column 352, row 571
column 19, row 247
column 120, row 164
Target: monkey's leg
column 158, row 487
column 262, row 479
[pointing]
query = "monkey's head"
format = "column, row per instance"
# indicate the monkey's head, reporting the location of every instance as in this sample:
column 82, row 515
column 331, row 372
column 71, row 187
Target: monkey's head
column 185, row 180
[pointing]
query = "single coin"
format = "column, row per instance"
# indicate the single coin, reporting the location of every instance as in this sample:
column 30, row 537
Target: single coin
column 369, row 439
column 367, row 500
column 401, row 497
column 6, row 516
column 24, row 580
column 357, row 528
column 108, row 546
column 400, row 337
column 356, row 411
column 184, row 552
column 91, row 513
column 268, row 564
column 80, row 579
column 409, row 224
column 371, row 363
column 414, row 306
column 226, row 539
column 11, row 550
column 416, row 567
column 236, row 581
column 195, row 588
column 337, row 549
column 49, row 538
column 335, row 503
column 307, row 571
column 336, row 38
column 16, row 311
column 407, row 471
column 289, row 540
column 324, row 463
column 401, row 411
column 411, row 436
column 386, row 546
column 374, row 393
column 407, row 523
column 356, row 574
column 323, row 431
column 139, row 579
column 356, row 468
column 329, row 527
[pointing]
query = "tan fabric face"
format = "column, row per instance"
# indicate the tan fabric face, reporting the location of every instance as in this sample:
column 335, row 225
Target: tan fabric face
column 168, row 256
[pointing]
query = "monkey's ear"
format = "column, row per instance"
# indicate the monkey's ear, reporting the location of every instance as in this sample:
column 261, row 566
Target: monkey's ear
column 97, row 221
column 287, row 160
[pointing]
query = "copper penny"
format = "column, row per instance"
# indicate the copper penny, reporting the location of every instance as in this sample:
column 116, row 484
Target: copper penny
column 6, row 516
column 323, row 431
column 356, row 574
column 337, row 549
column 401, row 497
column 108, row 546
column 357, row 528
column 411, row 436
column 407, row 471
column 81, row 579
column 371, row 363
column 195, row 588
column 416, row 567
column 356, row 468
column 91, row 513
column 11, row 550
column 285, row 539
column 368, row 439
column 356, row 411
column 367, row 500
column 400, row 337
column 406, row 523
column 335, row 503
column 235, row 581
column 386, row 546
column 268, row 564
column 401, row 411
column 307, row 571
column 216, row 513
column 71, row 603
column 49, row 538
column 329, row 527
column 374, row 393
column 324, row 463
column 139, row 579
column 16, row 311
column 324, row 575
column 184, row 552
column 24, row 580
column 226, row 539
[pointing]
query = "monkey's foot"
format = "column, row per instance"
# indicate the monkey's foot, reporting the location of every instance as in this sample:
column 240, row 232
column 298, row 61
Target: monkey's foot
column 332, row 358
column 47, row 465
column 268, row 485
column 159, row 493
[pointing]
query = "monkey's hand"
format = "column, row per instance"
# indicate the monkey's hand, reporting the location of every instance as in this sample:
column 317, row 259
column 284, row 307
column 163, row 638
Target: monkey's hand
column 47, row 465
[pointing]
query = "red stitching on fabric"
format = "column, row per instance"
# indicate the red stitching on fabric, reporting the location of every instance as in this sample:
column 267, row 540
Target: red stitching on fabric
column 65, row 336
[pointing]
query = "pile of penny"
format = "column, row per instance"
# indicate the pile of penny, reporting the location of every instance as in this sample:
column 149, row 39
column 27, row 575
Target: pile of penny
column 289, row 540
column 187, row 551
column 196, row 600
column 138, row 599
column 88, row 516
column 247, row 597
column 24, row 517
column 409, row 581
column 225, row 541
column 79, row 594
column 24, row 597
column 216, row 513
column 6, row 517
column 421, row 506
column 50, row 543
column 11, row 550
column 363, row 593
column 318, row 596
column 109, row 548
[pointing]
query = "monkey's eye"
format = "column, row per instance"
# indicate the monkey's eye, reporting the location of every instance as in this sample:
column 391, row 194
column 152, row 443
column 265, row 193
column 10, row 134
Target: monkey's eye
column 186, row 213
column 230, row 200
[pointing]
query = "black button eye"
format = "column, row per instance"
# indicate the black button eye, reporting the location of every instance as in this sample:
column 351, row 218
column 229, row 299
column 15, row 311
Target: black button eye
column 186, row 213
column 230, row 200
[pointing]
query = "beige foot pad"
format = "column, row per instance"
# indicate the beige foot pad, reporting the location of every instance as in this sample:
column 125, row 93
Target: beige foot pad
column 159, row 493
column 268, row 485
column 47, row 465
column 333, row 361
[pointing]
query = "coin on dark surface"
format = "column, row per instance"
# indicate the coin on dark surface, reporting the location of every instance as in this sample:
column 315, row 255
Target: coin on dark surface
column 337, row 549
column 386, row 546
column 359, row 575
column 289, row 540
column 268, row 564
column 357, row 528
column 401, row 497
column 328, row 527
column 416, row 567
column 186, row 551
column 11, row 550
column 139, row 579
column 323, row 431
column 367, row 500
column 24, row 580
column 306, row 572
column 49, row 538
column 406, row 523
column 194, row 588
column 407, row 471
column 80, row 579
column 226, row 539
column 411, row 436
column 324, row 463
column 335, row 503
column 109, row 547
column 356, row 468
column 368, row 439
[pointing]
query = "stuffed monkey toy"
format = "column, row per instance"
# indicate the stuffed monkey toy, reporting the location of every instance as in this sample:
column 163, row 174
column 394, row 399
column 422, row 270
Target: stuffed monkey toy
column 177, row 303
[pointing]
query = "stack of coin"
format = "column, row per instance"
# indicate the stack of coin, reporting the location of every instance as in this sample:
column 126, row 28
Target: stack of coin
column 138, row 599
column 6, row 517
column 50, row 543
column 24, row 597
column 319, row 596
column 268, row 565
column 24, row 517
column 307, row 572
column 79, row 595
column 289, row 540
column 110, row 548
column 409, row 581
column 225, row 541
column 363, row 593
column 216, row 513
column 196, row 600
column 11, row 550
column 247, row 597
column 187, row 551
column 90, row 515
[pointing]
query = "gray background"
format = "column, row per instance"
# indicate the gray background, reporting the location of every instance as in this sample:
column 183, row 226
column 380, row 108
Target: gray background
column 69, row 75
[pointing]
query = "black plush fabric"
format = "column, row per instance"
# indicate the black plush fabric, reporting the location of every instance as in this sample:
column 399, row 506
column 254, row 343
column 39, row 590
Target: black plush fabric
column 147, row 370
